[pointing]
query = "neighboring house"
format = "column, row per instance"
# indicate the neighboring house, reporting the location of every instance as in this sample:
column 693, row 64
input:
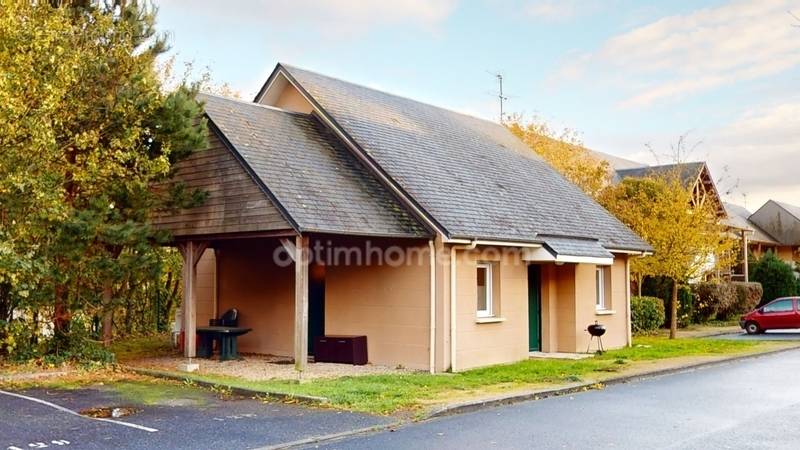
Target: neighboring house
column 694, row 174
column 698, row 176
column 776, row 228
column 482, row 252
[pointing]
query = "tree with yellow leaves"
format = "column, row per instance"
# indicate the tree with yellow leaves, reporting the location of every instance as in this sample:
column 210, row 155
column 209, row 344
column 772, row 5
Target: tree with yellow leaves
column 682, row 227
column 565, row 152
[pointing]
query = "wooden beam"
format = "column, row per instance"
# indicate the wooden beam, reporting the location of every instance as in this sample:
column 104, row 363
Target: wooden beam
column 745, row 254
column 300, row 303
column 191, row 252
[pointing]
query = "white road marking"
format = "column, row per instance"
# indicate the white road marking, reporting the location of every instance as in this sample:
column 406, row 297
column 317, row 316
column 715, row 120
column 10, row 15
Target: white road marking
column 69, row 411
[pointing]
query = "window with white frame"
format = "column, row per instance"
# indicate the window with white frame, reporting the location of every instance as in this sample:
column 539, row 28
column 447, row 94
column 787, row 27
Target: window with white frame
column 485, row 307
column 600, row 285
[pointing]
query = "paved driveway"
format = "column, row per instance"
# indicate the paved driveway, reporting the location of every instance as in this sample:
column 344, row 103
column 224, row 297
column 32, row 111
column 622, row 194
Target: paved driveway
column 193, row 421
column 772, row 335
column 752, row 403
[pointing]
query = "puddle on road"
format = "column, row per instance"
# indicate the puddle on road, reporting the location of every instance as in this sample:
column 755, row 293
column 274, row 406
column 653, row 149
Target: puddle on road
column 109, row 412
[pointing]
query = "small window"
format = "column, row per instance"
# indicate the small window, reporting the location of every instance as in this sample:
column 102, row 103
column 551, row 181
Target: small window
column 485, row 290
column 779, row 306
column 600, row 287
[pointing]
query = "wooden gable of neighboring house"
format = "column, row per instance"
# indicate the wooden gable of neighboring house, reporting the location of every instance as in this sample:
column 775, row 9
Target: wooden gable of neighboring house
column 692, row 174
column 234, row 203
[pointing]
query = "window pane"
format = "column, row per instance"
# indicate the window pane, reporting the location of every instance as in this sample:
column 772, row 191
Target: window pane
column 600, row 288
column 482, row 289
column 779, row 306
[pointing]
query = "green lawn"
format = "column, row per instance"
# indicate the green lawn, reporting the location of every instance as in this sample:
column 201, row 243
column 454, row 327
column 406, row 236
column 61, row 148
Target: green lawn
column 385, row 394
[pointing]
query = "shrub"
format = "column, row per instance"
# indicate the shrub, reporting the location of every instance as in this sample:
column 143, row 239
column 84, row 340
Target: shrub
column 647, row 314
column 661, row 287
column 748, row 296
column 776, row 277
column 711, row 299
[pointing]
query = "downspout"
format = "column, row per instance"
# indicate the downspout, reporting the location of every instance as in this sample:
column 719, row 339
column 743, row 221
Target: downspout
column 432, row 352
column 628, row 300
column 453, row 305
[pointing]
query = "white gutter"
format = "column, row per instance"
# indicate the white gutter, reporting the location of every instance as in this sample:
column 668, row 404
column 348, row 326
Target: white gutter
column 453, row 305
column 432, row 343
column 625, row 252
column 493, row 243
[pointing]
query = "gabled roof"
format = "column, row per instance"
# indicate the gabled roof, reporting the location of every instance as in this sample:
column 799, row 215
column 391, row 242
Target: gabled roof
column 472, row 177
column 739, row 217
column 780, row 220
column 617, row 163
column 688, row 172
column 313, row 178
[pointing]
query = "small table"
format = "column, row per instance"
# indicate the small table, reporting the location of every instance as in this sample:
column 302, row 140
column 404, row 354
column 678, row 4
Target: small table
column 226, row 336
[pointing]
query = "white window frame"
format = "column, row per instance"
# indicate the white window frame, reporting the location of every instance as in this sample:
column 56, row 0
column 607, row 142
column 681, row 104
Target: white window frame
column 600, row 285
column 489, row 311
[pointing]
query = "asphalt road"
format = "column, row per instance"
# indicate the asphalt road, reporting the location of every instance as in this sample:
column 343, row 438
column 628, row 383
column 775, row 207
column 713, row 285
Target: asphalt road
column 771, row 335
column 198, row 420
column 752, row 403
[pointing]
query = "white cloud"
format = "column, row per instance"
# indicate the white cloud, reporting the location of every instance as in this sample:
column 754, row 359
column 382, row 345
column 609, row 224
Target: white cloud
column 333, row 17
column 680, row 55
column 559, row 10
column 762, row 149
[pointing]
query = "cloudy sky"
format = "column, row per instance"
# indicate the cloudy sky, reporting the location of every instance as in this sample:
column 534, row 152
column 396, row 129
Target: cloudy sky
column 628, row 75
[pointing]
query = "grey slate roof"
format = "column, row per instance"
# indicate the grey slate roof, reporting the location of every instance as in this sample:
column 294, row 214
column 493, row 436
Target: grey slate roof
column 688, row 172
column 472, row 176
column 576, row 247
column 317, row 181
column 739, row 217
column 616, row 162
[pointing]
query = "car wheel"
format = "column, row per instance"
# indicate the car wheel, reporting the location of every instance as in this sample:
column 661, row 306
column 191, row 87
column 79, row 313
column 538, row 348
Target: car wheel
column 752, row 328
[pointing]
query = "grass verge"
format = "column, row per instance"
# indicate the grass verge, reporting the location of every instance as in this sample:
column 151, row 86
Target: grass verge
column 386, row 394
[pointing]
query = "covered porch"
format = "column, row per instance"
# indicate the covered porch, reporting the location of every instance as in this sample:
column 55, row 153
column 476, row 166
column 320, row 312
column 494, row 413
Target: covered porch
column 266, row 278
column 287, row 295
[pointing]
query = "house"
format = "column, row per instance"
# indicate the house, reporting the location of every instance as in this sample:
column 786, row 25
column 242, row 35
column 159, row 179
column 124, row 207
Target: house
column 774, row 227
column 336, row 209
column 697, row 176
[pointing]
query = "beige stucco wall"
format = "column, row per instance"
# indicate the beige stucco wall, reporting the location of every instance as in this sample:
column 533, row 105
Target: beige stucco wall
column 786, row 253
column 262, row 291
column 390, row 305
column 568, row 306
column 206, row 287
column 481, row 344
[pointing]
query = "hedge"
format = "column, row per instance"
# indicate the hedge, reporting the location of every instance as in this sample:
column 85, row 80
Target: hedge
column 748, row 297
column 647, row 314
column 724, row 300
column 711, row 298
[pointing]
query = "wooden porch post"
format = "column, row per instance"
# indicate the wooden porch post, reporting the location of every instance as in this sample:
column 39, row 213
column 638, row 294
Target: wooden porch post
column 745, row 254
column 301, row 303
column 191, row 251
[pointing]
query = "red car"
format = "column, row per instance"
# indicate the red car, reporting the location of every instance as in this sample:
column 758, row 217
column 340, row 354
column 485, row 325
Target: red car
column 777, row 314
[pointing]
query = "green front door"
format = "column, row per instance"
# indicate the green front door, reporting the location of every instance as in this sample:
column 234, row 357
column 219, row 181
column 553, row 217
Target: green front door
column 534, row 308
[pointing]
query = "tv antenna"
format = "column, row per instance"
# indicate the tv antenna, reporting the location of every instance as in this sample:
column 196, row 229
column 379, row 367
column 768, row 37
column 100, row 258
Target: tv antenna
column 500, row 95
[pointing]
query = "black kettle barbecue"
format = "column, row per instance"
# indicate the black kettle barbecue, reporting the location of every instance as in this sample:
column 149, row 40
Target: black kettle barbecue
column 596, row 330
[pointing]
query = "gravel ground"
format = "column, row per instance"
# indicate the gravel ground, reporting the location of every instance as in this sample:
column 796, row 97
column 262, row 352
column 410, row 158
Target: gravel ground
column 265, row 367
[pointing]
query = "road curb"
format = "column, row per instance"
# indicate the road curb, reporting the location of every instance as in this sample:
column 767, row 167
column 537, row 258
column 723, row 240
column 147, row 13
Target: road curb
column 331, row 437
column 461, row 408
column 234, row 389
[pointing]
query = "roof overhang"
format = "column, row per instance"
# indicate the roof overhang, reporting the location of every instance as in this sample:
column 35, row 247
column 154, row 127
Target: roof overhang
column 541, row 254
